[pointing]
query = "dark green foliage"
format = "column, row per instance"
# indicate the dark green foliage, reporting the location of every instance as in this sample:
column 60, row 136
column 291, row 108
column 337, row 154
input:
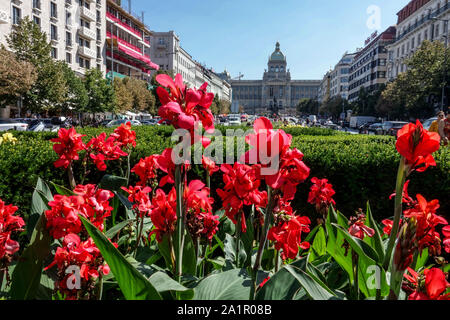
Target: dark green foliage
column 361, row 168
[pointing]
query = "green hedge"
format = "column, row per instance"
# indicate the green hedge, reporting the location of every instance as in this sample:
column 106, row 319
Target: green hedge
column 361, row 168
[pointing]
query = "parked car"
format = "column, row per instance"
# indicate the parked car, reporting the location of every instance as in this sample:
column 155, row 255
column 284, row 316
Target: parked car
column 10, row 124
column 390, row 124
column 234, row 121
column 39, row 125
column 151, row 122
column 116, row 123
column 397, row 126
column 427, row 123
column 375, row 128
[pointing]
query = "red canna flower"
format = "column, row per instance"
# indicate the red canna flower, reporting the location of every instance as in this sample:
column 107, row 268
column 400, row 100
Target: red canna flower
column 88, row 201
column 86, row 256
column 9, row 224
column 209, row 165
column 358, row 229
column 434, row 288
column 388, row 224
column 164, row 163
column 241, row 188
column 124, row 135
column 417, row 145
column 406, row 198
column 67, row 146
column 292, row 172
column 163, row 213
column 146, row 169
column 427, row 221
column 446, row 241
column 140, row 199
column 102, row 149
column 287, row 234
column 198, row 205
column 268, row 144
column 321, row 194
column 183, row 107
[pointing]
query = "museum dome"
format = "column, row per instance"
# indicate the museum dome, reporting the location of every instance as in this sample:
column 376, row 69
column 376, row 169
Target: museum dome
column 277, row 55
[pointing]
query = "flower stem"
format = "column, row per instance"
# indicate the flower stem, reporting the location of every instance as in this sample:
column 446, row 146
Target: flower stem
column 208, row 181
column 238, row 238
column 71, row 177
column 139, row 228
column 172, row 254
column 262, row 240
column 180, row 220
column 128, row 167
column 277, row 260
column 355, row 259
column 401, row 177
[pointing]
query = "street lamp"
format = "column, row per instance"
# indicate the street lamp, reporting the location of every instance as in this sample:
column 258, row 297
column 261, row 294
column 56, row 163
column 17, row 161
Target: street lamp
column 444, row 84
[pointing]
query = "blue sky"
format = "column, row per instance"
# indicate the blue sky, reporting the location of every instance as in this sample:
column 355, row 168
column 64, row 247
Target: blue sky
column 239, row 35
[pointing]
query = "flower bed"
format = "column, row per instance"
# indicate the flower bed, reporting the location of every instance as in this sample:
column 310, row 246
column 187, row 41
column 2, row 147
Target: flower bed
column 157, row 236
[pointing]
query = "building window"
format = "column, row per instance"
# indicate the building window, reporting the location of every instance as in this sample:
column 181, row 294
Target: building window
column 17, row 14
column 68, row 18
column 99, row 34
column 53, row 10
column 53, row 32
column 99, row 52
column 68, row 58
column 54, row 53
column 68, row 38
column 37, row 20
column 37, row 4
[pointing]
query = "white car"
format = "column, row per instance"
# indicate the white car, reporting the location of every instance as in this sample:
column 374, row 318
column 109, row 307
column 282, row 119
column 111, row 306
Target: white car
column 10, row 124
column 116, row 123
column 234, row 121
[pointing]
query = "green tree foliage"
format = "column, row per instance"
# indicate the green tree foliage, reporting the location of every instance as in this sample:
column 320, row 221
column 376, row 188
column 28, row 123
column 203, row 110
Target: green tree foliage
column 16, row 77
column 101, row 95
column 133, row 94
column 30, row 44
column 334, row 106
column 76, row 95
column 366, row 104
column 308, row 106
column 413, row 92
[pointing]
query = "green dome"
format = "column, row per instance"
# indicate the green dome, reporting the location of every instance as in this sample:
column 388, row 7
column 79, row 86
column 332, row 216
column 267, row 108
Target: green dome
column 277, row 55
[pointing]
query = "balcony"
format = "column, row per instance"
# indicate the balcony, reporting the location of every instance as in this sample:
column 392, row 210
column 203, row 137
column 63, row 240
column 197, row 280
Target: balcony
column 86, row 52
column 88, row 14
column 87, row 33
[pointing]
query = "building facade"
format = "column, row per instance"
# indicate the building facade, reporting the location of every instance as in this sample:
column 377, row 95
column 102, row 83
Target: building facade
column 276, row 91
column 128, row 44
column 76, row 29
column 340, row 77
column 369, row 67
column 419, row 20
column 168, row 54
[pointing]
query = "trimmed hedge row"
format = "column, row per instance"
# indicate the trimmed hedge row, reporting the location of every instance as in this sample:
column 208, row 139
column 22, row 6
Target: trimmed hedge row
column 361, row 168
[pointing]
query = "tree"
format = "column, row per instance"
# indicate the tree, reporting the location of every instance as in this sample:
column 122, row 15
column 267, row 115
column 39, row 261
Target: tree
column 124, row 97
column 76, row 95
column 29, row 42
column 133, row 94
column 16, row 77
column 30, row 45
column 308, row 106
column 101, row 95
column 334, row 106
column 224, row 106
column 411, row 94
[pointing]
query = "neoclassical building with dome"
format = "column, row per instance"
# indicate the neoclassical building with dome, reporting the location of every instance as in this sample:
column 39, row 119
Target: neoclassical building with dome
column 276, row 91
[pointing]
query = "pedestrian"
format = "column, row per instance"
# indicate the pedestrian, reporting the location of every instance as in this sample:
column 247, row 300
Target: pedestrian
column 443, row 127
column 435, row 124
column 447, row 129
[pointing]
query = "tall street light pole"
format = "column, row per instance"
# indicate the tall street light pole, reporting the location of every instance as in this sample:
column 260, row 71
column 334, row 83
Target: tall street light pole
column 444, row 82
